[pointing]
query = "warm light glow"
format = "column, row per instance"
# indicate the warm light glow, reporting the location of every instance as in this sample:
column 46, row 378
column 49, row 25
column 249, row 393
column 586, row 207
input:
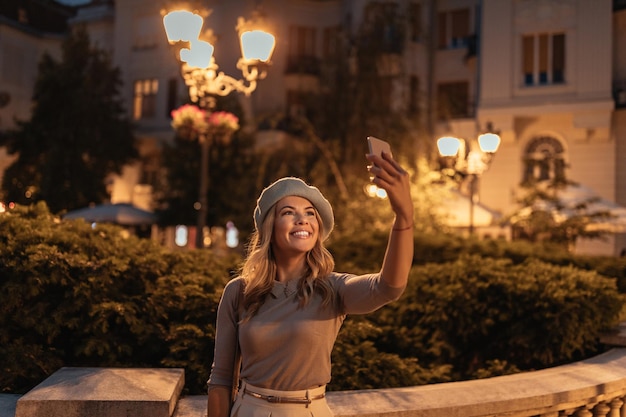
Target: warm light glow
column 198, row 55
column 181, row 236
column 489, row 142
column 199, row 69
column 373, row 190
column 448, row 146
column 257, row 45
column 182, row 25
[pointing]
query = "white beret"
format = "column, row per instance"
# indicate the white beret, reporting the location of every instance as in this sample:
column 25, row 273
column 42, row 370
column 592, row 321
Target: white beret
column 292, row 186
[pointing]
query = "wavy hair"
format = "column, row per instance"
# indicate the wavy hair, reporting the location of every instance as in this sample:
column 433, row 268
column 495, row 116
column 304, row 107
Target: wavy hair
column 259, row 269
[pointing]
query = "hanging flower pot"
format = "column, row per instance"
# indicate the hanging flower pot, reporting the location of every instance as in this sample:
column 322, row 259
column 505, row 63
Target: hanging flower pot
column 189, row 121
column 222, row 125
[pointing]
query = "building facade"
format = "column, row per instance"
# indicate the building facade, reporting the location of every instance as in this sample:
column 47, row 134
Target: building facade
column 549, row 75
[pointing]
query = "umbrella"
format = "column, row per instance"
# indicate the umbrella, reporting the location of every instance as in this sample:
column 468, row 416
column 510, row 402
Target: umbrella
column 124, row 214
column 576, row 199
column 615, row 215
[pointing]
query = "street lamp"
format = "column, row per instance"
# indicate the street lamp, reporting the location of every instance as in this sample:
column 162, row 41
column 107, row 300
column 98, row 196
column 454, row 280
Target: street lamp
column 204, row 80
column 470, row 162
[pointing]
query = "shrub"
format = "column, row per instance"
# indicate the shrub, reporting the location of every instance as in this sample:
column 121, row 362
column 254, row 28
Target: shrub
column 73, row 295
column 480, row 312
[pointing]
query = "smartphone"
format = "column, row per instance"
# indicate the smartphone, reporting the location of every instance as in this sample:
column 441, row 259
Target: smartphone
column 378, row 146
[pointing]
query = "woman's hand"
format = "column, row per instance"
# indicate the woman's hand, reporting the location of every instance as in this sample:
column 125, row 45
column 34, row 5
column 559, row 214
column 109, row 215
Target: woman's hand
column 392, row 178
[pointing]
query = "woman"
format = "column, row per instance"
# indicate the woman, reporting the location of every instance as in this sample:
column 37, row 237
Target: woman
column 293, row 304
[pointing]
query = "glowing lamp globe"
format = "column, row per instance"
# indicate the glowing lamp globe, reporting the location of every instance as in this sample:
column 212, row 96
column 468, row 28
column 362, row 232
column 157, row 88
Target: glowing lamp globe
column 489, row 142
column 198, row 55
column 257, row 45
column 182, row 25
column 448, row 146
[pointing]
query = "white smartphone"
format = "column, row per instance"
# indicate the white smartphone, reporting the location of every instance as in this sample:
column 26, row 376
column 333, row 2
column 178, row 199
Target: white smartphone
column 378, row 146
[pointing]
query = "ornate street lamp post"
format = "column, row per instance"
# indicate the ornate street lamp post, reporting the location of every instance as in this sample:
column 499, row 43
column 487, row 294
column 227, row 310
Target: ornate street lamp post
column 205, row 81
column 470, row 164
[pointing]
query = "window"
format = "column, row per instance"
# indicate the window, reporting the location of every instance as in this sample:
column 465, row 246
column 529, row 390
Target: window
column 296, row 104
column 302, row 46
column 144, row 102
column 172, row 96
column 150, row 169
column 544, row 161
column 146, row 32
column 331, row 42
column 384, row 27
column 543, row 59
column 453, row 100
column 453, row 29
column 415, row 21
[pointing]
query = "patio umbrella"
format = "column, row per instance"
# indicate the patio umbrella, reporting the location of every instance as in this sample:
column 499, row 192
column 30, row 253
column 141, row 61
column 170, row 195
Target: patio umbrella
column 123, row 214
column 577, row 199
column 614, row 220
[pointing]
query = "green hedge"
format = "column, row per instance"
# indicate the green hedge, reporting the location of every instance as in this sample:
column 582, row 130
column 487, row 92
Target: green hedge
column 73, row 295
column 477, row 312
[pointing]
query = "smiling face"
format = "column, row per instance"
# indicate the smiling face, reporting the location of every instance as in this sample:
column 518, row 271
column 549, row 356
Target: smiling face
column 296, row 226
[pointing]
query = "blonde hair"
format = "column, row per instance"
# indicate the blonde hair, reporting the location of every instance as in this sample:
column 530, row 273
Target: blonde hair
column 259, row 269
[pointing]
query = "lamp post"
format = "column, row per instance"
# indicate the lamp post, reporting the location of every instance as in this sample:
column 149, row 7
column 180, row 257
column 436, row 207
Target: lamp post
column 471, row 163
column 204, row 80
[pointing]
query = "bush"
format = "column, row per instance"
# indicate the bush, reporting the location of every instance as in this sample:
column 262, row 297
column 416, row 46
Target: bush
column 478, row 313
column 73, row 295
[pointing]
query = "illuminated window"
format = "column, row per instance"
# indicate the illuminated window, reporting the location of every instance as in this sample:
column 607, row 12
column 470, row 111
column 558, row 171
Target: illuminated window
column 144, row 103
column 543, row 58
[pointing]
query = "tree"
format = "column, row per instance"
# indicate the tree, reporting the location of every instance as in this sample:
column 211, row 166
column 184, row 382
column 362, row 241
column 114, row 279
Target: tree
column 78, row 133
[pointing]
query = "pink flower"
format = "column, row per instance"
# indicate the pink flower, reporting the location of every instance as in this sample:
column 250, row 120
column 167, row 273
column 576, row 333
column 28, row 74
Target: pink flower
column 190, row 121
column 223, row 119
column 189, row 116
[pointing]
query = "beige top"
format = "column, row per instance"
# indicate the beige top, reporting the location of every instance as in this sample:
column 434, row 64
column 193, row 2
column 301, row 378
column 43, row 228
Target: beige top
column 285, row 347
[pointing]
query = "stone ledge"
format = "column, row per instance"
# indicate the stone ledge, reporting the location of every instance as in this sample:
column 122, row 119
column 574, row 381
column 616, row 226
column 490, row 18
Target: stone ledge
column 104, row 392
column 540, row 392
column 543, row 392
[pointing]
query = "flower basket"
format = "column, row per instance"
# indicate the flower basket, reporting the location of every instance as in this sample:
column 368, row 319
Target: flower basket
column 190, row 122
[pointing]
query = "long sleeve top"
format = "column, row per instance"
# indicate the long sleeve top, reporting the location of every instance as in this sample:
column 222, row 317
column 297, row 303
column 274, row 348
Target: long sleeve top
column 285, row 346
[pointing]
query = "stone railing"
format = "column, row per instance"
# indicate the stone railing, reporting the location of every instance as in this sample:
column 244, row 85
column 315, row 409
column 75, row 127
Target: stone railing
column 595, row 387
